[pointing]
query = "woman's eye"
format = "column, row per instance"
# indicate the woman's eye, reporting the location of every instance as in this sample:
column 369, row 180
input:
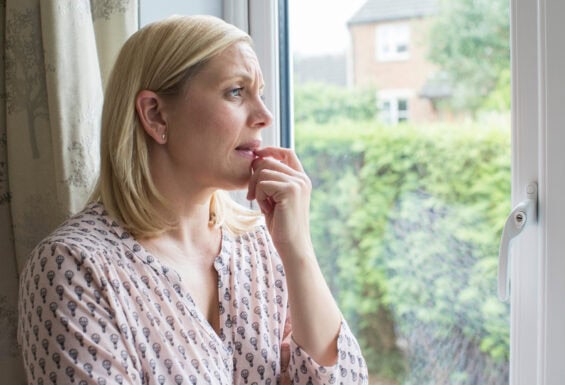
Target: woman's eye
column 236, row 91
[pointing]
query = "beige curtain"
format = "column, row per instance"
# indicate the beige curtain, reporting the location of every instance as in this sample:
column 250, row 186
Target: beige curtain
column 56, row 57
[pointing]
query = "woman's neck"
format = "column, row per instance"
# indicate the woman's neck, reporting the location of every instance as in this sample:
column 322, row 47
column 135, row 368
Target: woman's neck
column 193, row 239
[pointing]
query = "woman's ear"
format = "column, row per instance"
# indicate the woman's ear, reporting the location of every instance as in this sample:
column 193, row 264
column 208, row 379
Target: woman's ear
column 149, row 107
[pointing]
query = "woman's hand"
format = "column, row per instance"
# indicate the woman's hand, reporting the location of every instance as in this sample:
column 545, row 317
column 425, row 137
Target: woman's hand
column 282, row 190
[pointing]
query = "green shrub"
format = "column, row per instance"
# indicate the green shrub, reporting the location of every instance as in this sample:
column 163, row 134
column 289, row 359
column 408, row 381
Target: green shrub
column 406, row 221
column 323, row 103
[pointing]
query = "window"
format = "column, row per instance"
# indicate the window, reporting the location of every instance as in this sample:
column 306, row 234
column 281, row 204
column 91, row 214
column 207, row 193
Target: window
column 393, row 111
column 538, row 312
column 403, row 219
column 537, row 309
column 393, row 42
column 393, row 106
column 402, row 108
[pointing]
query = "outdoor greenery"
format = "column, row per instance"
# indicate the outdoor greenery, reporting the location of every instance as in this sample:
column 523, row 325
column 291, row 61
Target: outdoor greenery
column 321, row 103
column 471, row 44
column 406, row 221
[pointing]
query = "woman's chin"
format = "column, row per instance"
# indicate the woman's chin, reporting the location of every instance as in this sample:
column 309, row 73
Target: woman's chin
column 239, row 182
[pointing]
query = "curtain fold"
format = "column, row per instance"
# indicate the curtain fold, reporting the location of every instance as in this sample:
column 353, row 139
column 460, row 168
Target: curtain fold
column 73, row 93
column 57, row 55
column 114, row 21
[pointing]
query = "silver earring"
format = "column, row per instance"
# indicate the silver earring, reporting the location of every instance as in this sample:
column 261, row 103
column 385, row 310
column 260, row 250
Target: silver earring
column 164, row 136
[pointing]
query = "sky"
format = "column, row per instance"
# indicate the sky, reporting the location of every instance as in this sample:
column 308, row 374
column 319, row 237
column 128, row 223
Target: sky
column 319, row 26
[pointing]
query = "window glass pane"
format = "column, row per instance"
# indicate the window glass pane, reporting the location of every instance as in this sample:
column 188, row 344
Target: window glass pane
column 385, row 112
column 406, row 218
column 402, row 105
column 392, row 41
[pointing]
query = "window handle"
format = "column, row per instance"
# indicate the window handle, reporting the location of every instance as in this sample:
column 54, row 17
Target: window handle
column 523, row 214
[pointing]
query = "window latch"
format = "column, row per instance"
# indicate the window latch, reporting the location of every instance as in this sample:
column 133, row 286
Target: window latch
column 523, row 214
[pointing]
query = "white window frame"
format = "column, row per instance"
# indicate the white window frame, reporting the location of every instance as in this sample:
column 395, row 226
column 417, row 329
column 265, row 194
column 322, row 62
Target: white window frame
column 259, row 18
column 392, row 35
column 538, row 258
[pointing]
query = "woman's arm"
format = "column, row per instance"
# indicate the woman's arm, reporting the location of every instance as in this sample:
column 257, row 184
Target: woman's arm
column 282, row 190
column 322, row 349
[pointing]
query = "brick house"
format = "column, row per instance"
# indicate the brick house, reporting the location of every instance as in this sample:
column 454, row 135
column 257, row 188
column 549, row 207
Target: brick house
column 388, row 51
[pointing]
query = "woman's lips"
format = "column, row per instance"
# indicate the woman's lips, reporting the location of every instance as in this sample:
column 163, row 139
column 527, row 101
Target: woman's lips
column 246, row 153
column 247, row 150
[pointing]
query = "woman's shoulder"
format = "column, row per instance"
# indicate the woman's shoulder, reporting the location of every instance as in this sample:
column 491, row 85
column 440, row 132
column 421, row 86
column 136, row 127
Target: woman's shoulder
column 89, row 231
column 92, row 223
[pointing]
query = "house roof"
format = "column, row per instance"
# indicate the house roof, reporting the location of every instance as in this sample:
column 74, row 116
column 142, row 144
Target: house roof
column 436, row 91
column 437, row 86
column 382, row 10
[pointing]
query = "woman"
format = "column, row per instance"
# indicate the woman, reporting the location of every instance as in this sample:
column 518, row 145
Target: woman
column 162, row 279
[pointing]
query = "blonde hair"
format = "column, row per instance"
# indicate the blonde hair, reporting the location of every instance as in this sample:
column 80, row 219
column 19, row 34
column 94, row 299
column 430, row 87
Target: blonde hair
column 161, row 57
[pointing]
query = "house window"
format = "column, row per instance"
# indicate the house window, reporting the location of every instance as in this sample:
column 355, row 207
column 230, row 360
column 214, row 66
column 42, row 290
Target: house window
column 393, row 107
column 393, row 42
column 402, row 109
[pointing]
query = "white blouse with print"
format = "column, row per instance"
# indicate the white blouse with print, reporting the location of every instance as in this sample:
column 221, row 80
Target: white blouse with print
column 97, row 308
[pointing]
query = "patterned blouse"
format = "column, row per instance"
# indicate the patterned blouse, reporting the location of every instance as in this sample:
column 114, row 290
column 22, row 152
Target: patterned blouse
column 97, row 308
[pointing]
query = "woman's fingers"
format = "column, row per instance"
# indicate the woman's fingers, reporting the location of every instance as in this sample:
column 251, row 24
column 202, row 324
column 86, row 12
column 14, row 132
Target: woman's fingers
column 270, row 193
column 275, row 169
column 282, row 191
column 284, row 155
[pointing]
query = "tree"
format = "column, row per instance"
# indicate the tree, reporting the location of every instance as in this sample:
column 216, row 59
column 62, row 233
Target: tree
column 470, row 42
column 323, row 103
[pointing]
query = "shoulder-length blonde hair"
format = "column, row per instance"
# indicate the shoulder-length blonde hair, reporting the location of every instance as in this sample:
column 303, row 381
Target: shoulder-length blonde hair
column 161, row 57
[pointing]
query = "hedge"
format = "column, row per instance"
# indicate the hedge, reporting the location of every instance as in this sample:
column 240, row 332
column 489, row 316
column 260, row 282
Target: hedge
column 406, row 221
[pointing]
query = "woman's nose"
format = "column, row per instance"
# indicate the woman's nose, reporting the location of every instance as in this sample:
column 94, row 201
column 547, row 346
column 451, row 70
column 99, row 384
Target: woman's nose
column 261, row 117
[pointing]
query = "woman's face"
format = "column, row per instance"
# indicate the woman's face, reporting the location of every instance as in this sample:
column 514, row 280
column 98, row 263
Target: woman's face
column 216, row 124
